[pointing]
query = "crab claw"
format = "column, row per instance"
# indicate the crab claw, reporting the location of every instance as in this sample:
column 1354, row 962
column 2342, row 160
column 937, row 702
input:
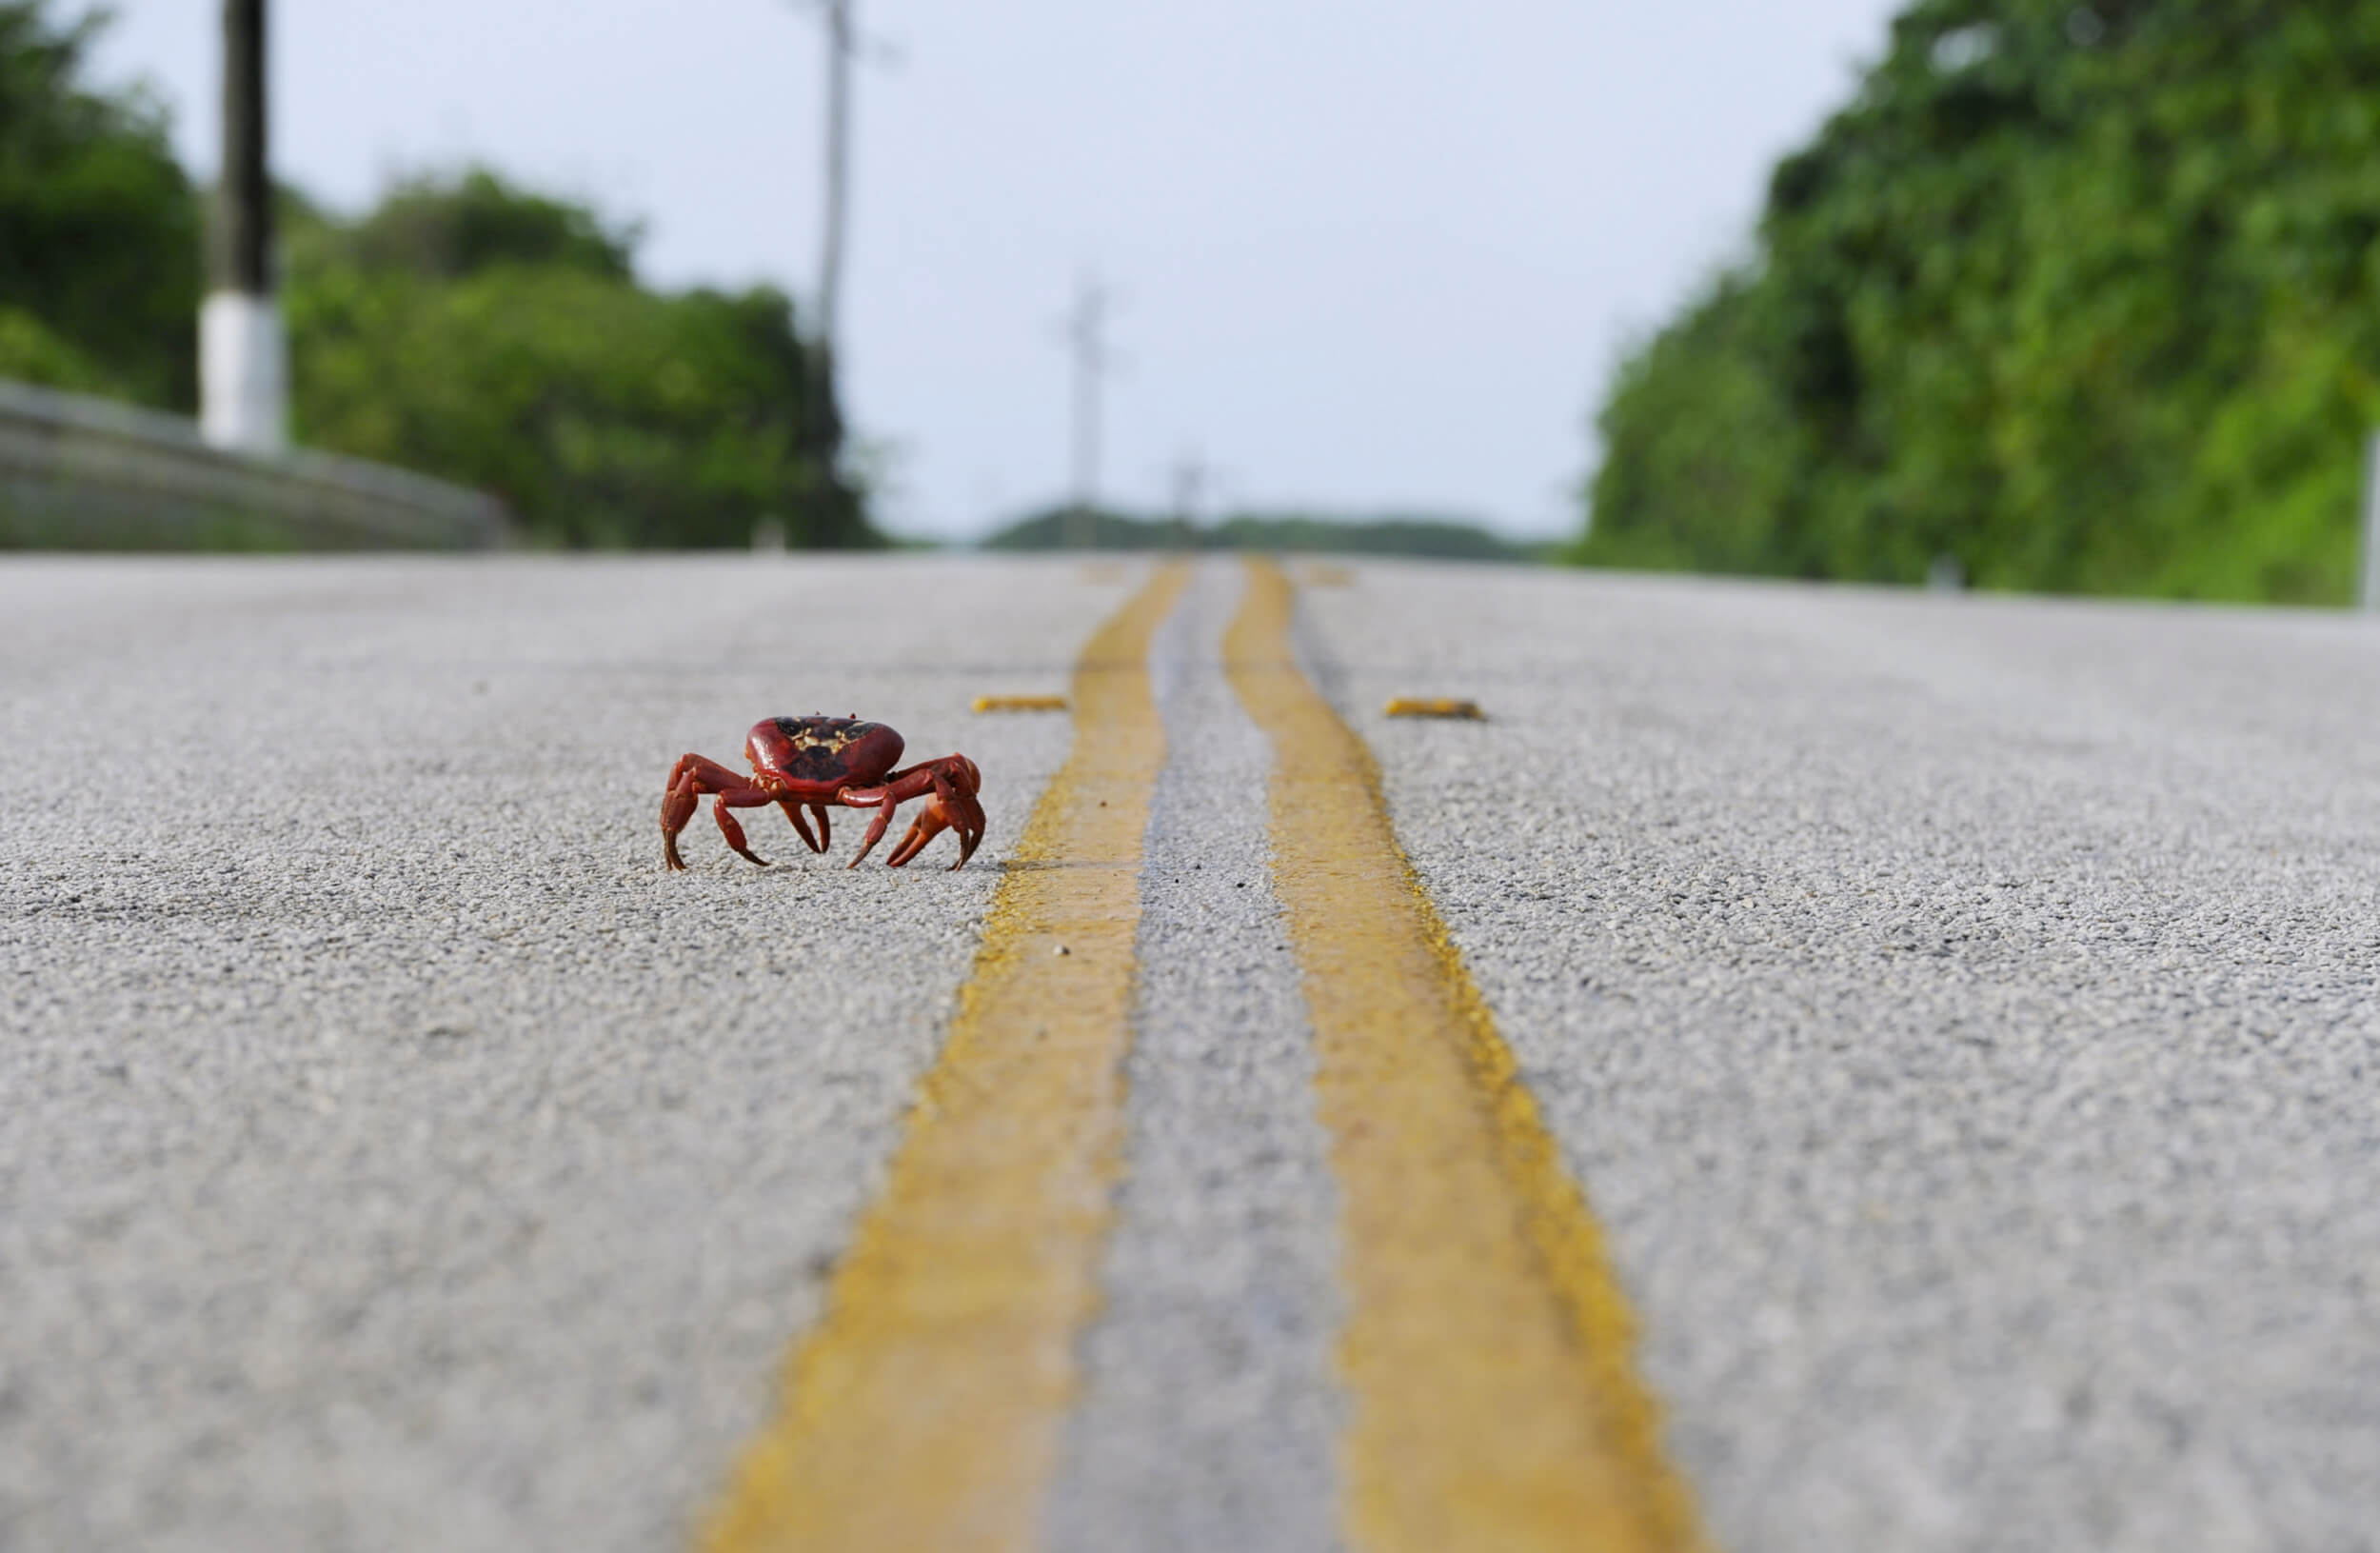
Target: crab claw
column 966, row 814
column 948, row 785
column 951, row 807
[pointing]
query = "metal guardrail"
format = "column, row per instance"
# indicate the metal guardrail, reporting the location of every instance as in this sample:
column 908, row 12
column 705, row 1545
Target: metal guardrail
column 84, row 473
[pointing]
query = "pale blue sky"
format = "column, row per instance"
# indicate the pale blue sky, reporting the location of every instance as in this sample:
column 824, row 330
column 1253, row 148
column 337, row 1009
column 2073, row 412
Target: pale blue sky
column 1371, row 253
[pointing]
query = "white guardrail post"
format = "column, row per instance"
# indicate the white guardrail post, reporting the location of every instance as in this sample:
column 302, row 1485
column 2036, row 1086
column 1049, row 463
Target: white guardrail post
column 84, row 473
column 2368, row 594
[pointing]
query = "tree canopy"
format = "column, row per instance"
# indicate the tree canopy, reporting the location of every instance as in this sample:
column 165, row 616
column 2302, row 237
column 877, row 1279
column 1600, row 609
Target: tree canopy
column 2084, row 295
column 499, row 337
column 465, row 327
column 99, row 225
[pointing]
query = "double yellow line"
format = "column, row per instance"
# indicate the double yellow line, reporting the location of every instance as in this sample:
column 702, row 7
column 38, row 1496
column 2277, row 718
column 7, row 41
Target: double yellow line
column 1487, row 1349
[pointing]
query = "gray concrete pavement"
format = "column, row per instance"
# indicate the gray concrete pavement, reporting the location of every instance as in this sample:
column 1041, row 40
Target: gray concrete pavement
column 1210, row 1414
column 1962, row 1012
column 395, row 1156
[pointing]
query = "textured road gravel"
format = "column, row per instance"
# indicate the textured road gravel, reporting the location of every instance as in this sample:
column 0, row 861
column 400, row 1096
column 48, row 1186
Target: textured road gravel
column 1210, row 1414
column 395, row 1156
column 1962, row 1012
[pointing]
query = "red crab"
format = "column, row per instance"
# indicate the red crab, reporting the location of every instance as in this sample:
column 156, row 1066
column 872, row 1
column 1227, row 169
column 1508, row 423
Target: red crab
column 818, row 760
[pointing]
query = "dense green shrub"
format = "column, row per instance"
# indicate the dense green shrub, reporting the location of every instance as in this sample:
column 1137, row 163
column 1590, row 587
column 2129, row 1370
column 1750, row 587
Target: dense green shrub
column 464, row 327
column 100, row 264
column 2087, row 296
column 499, row 338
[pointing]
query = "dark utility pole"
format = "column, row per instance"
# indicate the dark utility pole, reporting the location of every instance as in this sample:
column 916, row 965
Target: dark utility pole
column 243, row 224
column 243, row 369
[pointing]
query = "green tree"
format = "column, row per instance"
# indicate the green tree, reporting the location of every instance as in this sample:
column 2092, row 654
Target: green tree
column 499, row 338
column 448, row 230
column 2087, row 295
column 99, row 225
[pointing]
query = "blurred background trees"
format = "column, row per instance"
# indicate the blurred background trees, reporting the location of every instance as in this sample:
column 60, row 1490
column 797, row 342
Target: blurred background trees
column 100, row 261
column 2084, row 295
column 466, row 329
column 1442, row 538
column 499, row 338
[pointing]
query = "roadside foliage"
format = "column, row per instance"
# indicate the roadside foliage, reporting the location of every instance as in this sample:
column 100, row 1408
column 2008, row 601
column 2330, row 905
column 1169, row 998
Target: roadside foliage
column 464, row 329
column 499, row 338
column 99, row 226
column 1419, row 534
column 2086, row 297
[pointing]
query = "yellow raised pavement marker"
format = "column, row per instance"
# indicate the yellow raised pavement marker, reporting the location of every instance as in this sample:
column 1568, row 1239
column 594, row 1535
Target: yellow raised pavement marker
column 924, row 1411
column 1433, row 707
column 1488, row 1349
column 1019, row 704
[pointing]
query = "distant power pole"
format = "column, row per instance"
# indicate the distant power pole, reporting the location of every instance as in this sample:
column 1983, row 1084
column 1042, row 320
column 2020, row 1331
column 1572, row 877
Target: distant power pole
column 1191, row 478
column 823, row 433
column 841, row 43
column 243, row 359
column 1087, row 336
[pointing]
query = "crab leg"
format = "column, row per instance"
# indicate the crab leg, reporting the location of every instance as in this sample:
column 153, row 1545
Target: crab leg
column 695, row 775
column 875, row 826
column 802, row 827
column 733, row 831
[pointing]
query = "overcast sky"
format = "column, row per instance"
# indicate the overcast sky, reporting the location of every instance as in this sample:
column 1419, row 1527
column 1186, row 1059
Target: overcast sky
column 1369, row 253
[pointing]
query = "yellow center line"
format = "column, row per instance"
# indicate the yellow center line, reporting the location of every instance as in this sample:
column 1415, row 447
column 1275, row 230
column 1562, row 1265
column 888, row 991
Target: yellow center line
column 1488, row 1348
column 924, row 1411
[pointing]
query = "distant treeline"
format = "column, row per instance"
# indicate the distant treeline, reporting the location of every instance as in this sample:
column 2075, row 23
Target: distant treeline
column 1443, row 538
column 465, row 327
column 2084, row 295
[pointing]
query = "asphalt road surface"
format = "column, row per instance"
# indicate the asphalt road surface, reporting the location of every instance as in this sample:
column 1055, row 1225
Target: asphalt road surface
column 1959, row 1014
